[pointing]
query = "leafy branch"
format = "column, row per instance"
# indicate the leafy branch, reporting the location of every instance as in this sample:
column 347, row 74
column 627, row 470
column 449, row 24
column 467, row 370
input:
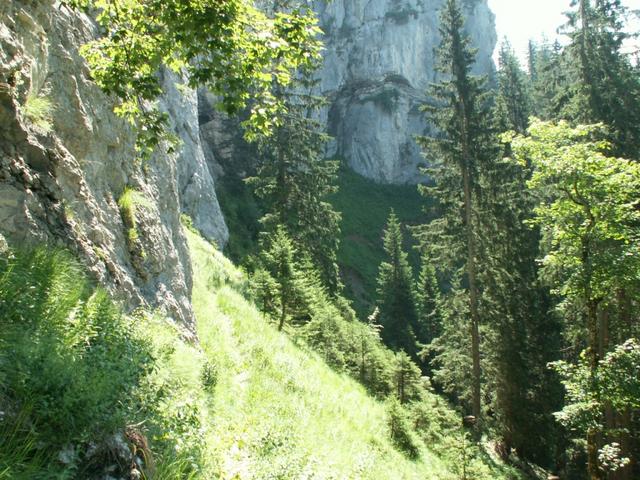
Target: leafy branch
column 237, row 51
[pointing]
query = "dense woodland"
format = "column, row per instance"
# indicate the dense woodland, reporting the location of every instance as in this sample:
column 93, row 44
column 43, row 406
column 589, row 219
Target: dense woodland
column 530, row 267
column 523, row 312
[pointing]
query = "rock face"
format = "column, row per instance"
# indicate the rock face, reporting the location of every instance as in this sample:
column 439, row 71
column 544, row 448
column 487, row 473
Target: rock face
column 378, row 64
column 60, row 183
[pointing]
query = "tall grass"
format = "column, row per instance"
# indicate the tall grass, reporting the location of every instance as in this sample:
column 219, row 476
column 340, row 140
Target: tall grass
column 246, row 402
column 38, row 111
column 75, row 371
column 70, row 360
column 129, row 203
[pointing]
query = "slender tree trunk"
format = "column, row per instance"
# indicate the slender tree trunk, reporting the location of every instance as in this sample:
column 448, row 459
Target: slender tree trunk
column 592, row 434
column 624, row 418
column 625, row 444
column 473, row 294
column 283, row 312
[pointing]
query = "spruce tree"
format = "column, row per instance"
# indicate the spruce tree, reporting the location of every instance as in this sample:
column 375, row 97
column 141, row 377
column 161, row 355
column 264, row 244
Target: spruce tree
column 278, row 284
column 406, row 377
column 550, row 81
column 293, row 179
column 524, row 335
column 605, row 87
column 429, row 322
column 396, row 303
column 513, row 102
column 459, row 157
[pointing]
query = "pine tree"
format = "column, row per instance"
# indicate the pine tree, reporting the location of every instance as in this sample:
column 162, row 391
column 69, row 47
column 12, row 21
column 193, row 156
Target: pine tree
column 605, row 87
column 549, row 80
column 396, row 302
column 278, row 284
column 459, row 158
column 524, row 335
column 293, row 179
column 513, row 102
column 429, row 322
column 406, row 377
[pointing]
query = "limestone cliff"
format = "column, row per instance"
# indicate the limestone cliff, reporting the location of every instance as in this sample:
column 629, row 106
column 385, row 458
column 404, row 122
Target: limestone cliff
column 378, row 63
column 61, row 177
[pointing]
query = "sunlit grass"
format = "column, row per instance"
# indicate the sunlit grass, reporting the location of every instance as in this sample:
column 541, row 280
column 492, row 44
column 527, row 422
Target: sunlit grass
column 279, row 411
column 38, row 111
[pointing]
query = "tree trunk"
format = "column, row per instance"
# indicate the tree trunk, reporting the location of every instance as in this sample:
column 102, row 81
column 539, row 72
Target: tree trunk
column 283, row 312
column 623, row 419
column 473, row 295
column 594, row 342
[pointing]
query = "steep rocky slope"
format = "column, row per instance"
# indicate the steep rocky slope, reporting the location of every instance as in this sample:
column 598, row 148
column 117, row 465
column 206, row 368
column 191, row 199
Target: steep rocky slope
column 62, row 173
column 378, row 64
column 61, row 182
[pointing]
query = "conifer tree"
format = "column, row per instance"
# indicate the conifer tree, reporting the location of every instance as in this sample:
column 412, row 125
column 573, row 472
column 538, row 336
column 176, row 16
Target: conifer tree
column 513, row 102
column 293, row 179
column 459, row 158
column 396, row 303
column 549, row 79
column 406, row 377
column 605, row 87
column 524, row 334
column 278, row 284
column 429, row 322
column 292, row 176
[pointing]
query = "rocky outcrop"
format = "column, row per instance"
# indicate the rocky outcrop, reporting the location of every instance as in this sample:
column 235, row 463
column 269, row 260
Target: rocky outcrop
column 378, row 63
column 62, row 173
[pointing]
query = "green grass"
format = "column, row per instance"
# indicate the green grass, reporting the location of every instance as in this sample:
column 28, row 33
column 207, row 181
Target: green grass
column 280, row 412
column 129, row 202
column 38, row 111
column 365, row 208
column 245, row 402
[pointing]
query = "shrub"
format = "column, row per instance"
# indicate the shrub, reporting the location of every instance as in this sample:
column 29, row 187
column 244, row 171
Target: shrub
column 129, row 202
column 401, row 429
column 38, row 110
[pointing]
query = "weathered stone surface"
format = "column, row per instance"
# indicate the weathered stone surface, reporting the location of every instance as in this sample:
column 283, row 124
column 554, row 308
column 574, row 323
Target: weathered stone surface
column 195, row 179
column 378, row 63
column 62, row 186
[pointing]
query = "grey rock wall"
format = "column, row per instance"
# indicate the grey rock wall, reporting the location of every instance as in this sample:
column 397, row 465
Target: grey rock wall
column 62, row 186
column 378, row 63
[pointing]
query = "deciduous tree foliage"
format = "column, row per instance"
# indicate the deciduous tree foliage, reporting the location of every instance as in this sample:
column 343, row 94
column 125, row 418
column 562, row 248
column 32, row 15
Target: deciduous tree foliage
column 590, row 222
column 229, row 46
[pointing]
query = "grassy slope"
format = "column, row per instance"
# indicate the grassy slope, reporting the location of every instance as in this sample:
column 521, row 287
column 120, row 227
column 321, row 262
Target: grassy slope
column 278, row 411
column 245, row 402
column 365, row 208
